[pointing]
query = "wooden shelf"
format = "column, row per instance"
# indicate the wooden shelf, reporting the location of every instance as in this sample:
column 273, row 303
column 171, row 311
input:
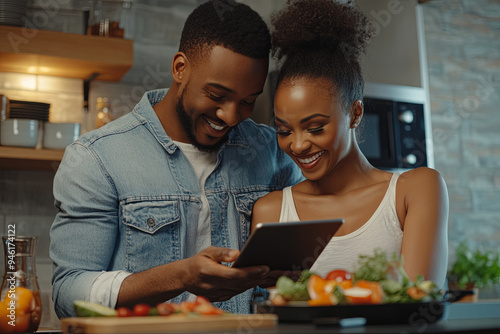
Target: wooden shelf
column 32, row 51
column 25, row 50
column 30, row 158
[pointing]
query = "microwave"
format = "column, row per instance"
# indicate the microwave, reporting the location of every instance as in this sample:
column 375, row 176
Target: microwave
column 395, row 130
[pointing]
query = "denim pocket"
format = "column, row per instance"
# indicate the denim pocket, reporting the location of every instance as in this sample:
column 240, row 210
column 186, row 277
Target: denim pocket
column 244, row 205
column 152, row 233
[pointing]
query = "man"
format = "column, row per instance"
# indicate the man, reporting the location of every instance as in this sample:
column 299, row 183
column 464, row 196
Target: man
column 153, row 205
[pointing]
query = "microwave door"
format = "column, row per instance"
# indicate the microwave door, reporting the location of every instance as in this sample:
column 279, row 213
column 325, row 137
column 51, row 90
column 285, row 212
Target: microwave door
column 378, row 134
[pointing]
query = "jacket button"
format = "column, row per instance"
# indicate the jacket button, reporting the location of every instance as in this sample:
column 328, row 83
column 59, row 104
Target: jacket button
column 151, row 222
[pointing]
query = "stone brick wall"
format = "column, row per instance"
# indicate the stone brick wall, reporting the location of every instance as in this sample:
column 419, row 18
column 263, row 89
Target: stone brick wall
column 463, row 52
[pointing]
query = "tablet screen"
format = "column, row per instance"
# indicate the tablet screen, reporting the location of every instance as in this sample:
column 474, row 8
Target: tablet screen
column 287, row 246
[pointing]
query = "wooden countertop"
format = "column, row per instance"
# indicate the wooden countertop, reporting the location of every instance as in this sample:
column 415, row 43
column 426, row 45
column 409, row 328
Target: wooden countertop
column 478, row 317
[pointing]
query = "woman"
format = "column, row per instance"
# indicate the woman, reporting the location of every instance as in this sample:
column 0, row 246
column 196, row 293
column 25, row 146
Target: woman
column 318, row 107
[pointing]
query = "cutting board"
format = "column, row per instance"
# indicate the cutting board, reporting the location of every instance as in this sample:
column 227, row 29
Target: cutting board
column 176, row 323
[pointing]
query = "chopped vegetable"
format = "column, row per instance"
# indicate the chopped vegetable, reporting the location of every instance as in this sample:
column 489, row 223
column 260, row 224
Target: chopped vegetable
column 124, row 312
column 304, row 276
column 321, row 300
column 426, row 286
column 87, row 309
column 291, row 290
column 376, row 281
column 416, row 293
column 320, row 290
column 390, row 286
column 201, row 306
column 358, row 295
column 339, row 275
column 165, row 309
column 377, row 294
column 372, row 268
column 141, row 310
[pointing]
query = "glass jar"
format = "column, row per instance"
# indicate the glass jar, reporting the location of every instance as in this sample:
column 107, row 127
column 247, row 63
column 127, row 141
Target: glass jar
column 21, row 305
column 105, row 18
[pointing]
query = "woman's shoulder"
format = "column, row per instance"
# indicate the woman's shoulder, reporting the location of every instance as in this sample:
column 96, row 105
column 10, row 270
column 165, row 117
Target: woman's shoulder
column 421, row 174
column 421, row 179
column 270, row 200
column 268, row 207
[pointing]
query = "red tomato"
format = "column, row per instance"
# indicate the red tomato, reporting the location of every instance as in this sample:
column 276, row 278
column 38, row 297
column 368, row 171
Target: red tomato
column 124, row 312
column 186, row 306
column 141, row 310
column 339, row 275
column 201, row 300
column 165, row 309
column 207, row 309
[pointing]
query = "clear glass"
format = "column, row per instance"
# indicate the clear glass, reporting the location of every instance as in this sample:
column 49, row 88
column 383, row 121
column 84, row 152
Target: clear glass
column 21, row 306
column 105, row 18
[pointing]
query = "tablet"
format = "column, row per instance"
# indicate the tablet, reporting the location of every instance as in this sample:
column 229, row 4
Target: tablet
column 287, row 246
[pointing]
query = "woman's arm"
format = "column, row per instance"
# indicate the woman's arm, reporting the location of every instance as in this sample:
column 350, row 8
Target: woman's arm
column 425, row 225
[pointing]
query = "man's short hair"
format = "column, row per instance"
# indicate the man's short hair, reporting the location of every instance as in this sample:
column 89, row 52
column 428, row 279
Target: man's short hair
column 225, row 23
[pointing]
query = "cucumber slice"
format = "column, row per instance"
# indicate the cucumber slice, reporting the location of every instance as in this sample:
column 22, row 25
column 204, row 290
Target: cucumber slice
column 87, row 309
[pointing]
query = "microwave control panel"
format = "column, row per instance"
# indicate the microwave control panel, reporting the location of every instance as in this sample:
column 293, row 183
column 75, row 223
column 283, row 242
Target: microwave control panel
column 411, row 126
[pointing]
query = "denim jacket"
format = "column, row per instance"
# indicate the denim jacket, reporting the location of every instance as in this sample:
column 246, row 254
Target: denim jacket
column 128, row 199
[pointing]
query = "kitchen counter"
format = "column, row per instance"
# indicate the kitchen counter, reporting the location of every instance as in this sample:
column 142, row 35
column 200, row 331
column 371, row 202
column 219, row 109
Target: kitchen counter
column 479, row 317
column 444, row 326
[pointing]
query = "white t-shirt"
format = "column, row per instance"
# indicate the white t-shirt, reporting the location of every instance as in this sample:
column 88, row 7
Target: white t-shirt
column 203, row 164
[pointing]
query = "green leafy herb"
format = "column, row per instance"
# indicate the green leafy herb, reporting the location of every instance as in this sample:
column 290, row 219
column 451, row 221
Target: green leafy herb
column 481, row 267
column 294, row 290
column 372, row 268
column 304, row 276
column 393, row 278
column 338, row 295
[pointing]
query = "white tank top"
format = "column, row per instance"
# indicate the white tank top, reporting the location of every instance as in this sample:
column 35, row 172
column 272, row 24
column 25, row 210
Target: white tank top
column 382, row 231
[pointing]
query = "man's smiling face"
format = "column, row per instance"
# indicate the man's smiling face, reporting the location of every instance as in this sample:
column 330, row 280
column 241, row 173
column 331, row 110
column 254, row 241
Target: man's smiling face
column 220, row 92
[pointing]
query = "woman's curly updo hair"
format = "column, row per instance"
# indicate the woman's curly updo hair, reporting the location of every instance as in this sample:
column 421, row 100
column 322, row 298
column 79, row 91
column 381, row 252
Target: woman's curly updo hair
column 322, row 39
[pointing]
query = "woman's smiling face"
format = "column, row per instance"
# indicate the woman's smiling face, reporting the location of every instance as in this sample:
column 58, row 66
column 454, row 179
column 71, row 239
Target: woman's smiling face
column 313, row 127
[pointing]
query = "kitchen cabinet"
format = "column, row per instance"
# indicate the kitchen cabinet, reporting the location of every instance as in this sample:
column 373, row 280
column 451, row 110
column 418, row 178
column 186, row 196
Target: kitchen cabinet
column 33, row 51
column 396, row 54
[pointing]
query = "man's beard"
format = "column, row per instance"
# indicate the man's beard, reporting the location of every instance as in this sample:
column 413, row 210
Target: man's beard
column 187, row 124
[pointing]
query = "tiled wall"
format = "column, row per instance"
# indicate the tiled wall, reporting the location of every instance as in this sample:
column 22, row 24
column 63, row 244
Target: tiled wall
column 463, row 51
